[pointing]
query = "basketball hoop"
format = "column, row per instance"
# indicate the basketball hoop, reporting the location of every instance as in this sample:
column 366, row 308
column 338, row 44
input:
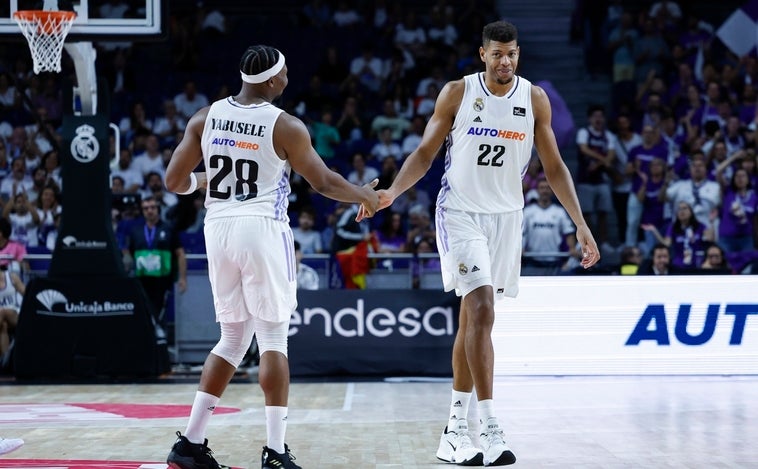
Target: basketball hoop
column 45, row 30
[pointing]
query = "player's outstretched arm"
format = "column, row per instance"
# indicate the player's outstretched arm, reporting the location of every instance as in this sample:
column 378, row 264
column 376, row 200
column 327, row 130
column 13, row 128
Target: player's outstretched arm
column 558, row 175
column 293, row 142
column 420, row 160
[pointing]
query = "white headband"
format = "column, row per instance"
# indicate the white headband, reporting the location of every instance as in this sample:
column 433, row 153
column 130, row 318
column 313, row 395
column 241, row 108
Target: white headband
column 266, row 74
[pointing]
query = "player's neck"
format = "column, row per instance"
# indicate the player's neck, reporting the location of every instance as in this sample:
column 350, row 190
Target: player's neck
column 497, row 88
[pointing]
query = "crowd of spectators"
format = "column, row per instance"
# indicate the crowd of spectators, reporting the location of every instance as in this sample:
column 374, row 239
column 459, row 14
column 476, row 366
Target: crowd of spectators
column 682, row 120
column 673, row 153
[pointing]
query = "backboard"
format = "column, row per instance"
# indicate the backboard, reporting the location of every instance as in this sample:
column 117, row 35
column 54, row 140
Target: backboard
column 98, row 20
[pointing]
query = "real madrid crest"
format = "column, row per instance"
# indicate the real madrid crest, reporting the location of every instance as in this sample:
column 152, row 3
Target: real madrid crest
column 462, row 269
column 85, row 147
column 478, row 104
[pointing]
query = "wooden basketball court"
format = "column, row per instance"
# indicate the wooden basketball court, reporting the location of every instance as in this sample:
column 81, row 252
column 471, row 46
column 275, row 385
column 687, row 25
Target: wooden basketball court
column 576, row 422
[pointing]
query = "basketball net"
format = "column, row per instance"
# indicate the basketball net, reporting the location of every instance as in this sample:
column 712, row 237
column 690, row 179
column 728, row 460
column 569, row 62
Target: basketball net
column 45, row 30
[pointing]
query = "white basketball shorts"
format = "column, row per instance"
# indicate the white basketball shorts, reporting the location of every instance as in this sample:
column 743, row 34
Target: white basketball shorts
column 478, row 249
column 251, row 266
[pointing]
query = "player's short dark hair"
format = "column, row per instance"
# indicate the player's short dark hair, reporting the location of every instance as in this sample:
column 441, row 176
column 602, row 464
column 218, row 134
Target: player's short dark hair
column 257, row 59
column 500, row 31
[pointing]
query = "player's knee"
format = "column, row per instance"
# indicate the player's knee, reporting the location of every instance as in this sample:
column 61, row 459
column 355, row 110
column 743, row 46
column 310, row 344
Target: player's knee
column 272, row 337
column 234, row 342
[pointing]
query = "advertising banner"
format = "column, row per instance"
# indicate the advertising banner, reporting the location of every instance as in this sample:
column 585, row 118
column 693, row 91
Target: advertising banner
column 629, row 325
column 373, row 332
column 87, row 327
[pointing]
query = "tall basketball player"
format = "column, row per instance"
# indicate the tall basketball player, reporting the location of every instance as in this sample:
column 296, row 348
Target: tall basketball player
column 489, row 122
column 248, row 146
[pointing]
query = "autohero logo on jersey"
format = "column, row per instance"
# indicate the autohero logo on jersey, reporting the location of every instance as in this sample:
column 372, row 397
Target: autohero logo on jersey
column 379, row 321
column 56, row 303
column 498, row 133
column 71, row 242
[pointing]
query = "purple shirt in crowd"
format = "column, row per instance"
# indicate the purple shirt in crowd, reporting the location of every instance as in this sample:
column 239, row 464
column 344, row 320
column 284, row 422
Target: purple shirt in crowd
column 687, row 247
column 731, row 223
column 644, row 156
column 653, row 207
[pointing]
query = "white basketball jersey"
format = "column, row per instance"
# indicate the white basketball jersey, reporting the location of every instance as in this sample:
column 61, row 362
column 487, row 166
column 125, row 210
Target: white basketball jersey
column 488, row 149
column 245, row 175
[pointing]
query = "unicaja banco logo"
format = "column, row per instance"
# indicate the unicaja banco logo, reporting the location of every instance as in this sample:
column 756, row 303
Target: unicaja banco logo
column 48, row 298
column 72, row 242
column 52, row 299
column 85, row 147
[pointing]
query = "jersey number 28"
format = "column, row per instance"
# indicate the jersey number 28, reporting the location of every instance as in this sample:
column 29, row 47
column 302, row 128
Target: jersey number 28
column 245, row 172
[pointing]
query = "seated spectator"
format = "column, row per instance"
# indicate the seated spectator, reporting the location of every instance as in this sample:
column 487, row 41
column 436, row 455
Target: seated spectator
column 12, row 253
column 24, row 220
column 11, row 292
column 715, row 260
column 132, row 178
column 325, row 135
column 189, row 101
column 413, row 139
column 659, row 263
column 135, row 123
column 739, row 214
column 651, row 195
column 305, row 234
column 39, row 181
column 367, row 69
column 350, row 124
column 48, row 208
column 361, row 173
column 156, row 190
column 17, row 181
column 388, row 173
column 415, row 196
column 5, row 164
column 389, row 118
column 686, row 236
column 52, row 167
column 391, row 234
column 169, row 125
column 345, row 15
column 420, row 225
column 409, row 35
column 631, row 259
column 425, row 264
column 703, row 195
column 425, row 106
column 307, row 277
column 547, row 230
column 151, row 160
column 386, row 147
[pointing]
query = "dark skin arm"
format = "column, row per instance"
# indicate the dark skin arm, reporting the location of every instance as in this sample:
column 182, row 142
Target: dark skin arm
column 291, row 141
column 558, row 175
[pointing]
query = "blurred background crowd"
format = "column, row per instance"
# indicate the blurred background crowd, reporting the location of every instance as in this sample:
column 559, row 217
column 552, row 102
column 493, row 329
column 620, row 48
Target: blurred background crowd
column 664, row 156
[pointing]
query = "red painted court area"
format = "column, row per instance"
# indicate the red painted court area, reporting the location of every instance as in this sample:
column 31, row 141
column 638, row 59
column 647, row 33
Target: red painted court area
column 10, row 413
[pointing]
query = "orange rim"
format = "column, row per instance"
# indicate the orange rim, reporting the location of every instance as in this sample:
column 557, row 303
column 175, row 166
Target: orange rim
column 47, row 20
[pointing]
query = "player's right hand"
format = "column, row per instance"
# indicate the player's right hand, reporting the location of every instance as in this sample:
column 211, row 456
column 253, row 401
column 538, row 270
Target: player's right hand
column 370, row 201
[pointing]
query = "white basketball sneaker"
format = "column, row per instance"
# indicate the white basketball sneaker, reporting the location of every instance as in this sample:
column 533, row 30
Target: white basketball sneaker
column 456, row 446
column 496, row 452
column 10, row 444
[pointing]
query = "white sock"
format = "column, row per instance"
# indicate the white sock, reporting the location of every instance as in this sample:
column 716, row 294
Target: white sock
column 202, row 409
column 458, row 406
column 486, row 412
column 276, row 427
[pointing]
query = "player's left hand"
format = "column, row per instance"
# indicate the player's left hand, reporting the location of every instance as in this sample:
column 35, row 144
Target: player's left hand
column 590, row 252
